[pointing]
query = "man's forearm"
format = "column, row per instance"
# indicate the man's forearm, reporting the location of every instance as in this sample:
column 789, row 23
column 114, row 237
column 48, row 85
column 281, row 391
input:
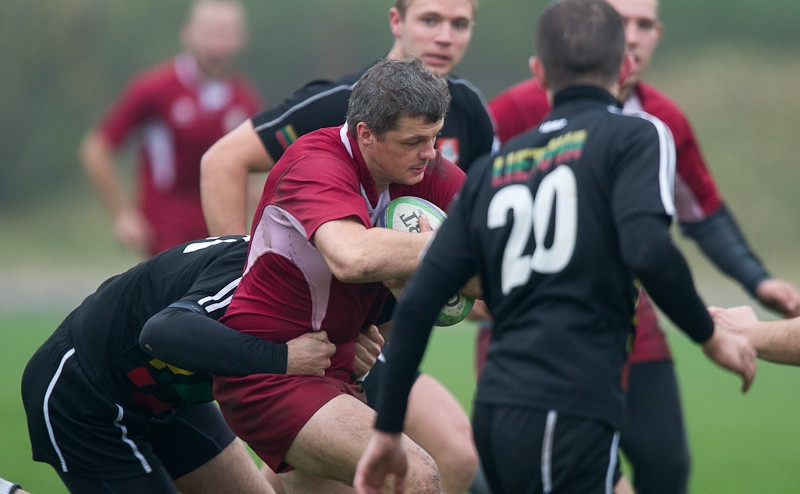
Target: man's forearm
column 224, row 197
column 356, row 254
column 777, row 341
column 723, row 243
column 186, row 338
column 224, row 171
column 99, row 166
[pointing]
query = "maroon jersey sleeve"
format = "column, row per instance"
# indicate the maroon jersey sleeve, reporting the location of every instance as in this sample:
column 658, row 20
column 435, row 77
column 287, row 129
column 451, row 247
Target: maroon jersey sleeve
column 696, row 195
column 133, row 106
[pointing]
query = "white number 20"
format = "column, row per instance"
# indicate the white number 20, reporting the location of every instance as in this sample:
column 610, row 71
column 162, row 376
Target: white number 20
column 534, row 214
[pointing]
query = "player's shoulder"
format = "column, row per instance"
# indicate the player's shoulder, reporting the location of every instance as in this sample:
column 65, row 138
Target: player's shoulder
column 202, row 259
column 521, row 91
column 660, row 105
column 320, row 100
column 160, row 74
column 318, row 155
column 464, row 92
column 211, row 247
column 320, row 88
column 632, row 124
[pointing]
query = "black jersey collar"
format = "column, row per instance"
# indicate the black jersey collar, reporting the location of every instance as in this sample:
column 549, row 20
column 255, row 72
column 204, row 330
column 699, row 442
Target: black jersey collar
column 573, row 93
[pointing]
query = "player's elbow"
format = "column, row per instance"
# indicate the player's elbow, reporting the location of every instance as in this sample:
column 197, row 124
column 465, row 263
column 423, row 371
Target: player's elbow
column 354, row 269
column 356, row 265
column 213, row 166
column 235, row 155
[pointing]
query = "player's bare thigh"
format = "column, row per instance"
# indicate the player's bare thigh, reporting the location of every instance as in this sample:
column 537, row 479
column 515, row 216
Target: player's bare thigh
column 232, row 470
column 330, row 444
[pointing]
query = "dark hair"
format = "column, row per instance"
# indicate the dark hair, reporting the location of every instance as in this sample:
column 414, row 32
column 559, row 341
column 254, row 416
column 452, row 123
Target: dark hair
column 580, row 42
column 392, row 89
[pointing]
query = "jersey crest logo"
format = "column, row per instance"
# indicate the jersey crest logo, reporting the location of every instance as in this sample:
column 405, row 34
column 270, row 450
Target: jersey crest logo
column 552, row 125
column 449, row 148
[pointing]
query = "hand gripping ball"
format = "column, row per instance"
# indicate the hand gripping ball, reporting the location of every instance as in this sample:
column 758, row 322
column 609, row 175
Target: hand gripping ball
column 403, row 214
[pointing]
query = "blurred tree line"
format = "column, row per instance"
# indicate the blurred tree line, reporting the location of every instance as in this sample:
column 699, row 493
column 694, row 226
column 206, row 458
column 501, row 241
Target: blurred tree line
column 64, row 62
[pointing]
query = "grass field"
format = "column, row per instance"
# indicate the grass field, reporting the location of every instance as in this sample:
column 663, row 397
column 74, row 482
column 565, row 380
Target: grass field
column 740, row 443
column 55, row 254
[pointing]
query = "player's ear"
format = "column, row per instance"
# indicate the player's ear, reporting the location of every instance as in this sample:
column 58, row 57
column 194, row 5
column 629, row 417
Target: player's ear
column 395, row 19
column 537, row 69
column 364, row 134
column 627, row 67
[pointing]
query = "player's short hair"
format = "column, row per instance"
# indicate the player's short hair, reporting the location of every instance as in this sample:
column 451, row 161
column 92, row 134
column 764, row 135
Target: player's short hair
column 393, row 89
column 402, row 6
column 580, row 42
column 202, row 4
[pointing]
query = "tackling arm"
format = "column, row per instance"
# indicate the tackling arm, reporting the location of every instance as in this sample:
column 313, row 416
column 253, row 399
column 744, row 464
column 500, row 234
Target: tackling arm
column 183, row 335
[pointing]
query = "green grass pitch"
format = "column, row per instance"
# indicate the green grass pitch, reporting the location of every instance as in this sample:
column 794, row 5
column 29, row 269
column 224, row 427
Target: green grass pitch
column 740, row 443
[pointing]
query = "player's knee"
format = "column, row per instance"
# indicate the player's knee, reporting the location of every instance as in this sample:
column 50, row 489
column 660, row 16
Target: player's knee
column 423, row 474
column 457, row 468
column 458, row 459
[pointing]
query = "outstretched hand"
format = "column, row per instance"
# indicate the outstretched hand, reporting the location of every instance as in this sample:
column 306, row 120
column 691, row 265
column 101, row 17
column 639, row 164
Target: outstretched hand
column 733, row 351
column 383, row 459
column 780, row 296
column 310, row 353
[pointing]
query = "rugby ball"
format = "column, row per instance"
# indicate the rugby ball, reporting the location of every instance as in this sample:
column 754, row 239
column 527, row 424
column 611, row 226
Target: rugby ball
column 403, row 214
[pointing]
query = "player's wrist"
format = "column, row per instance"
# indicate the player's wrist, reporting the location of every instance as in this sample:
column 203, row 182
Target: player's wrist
column 360, row 379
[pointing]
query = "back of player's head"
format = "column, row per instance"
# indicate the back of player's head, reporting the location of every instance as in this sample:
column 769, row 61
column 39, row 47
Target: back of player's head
column 393, row 89
column 580, row 42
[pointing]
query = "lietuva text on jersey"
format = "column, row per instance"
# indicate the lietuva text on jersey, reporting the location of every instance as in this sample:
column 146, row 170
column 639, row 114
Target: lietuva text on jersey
column 517, row 166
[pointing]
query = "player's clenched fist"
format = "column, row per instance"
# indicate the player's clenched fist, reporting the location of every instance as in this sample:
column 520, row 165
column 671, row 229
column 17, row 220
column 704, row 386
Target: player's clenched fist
column 310, row 353
column 368, row 347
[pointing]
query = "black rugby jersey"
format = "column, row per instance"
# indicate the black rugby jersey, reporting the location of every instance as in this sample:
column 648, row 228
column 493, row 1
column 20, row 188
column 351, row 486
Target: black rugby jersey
column 194, row 283
column 468, row 130
column 558, row 225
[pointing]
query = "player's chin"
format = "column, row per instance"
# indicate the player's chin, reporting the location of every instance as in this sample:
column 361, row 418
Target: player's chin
column 414, row 176
column 438, row 64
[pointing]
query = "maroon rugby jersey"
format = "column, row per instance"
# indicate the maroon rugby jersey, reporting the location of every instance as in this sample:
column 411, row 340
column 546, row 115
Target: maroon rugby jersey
column 178, row 115
column 287, row 288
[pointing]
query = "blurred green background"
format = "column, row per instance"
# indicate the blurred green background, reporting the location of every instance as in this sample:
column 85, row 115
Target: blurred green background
column 733, row 66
